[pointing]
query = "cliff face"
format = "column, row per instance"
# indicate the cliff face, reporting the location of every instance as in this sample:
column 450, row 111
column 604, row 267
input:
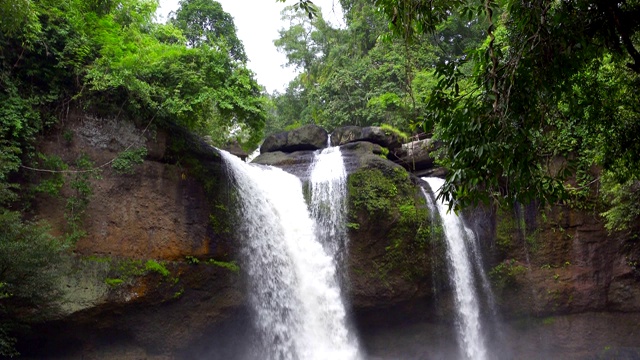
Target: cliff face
column 155, row 276
column 154, row 271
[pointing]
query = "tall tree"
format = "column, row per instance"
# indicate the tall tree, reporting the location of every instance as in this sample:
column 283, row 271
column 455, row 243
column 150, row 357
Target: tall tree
column 205, row 22
column 499, row 120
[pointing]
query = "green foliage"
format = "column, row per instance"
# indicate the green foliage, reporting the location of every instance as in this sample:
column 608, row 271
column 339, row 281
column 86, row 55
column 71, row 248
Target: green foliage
column 205, row 22
column 229, row 265
column 506, row 274
column 17, row 15
column 124, row 162
column 551, row 81
column 353, row 226
column 388, row 129
column 192, row 260
column 389, row 197
column 81, row 192
column 113, row 282
column 372, row 191
column 154, row 266
column 53, row 182
column 178, row 294
column 29, row 274
column 348, row 76
column 109, row 57
column 624, row 200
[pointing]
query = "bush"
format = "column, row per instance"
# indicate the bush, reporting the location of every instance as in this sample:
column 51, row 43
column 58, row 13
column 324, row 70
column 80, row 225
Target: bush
column 28, row 276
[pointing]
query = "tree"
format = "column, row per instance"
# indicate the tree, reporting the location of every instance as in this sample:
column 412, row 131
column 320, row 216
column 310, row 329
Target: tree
column 356, row 75
column 205, row 22
column 499, row 120
column 109, row 58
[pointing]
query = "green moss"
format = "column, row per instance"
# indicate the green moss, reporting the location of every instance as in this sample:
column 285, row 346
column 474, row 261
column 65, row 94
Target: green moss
column 113, row 282
column 370, row 190
column 387, row 200
column 506, row 230
column 230, row 265
column 388, row 129
column 125, row 270
column 385, row 153
column 192, row 260
column 154, row 266
column 506, row 273
column 178, row 293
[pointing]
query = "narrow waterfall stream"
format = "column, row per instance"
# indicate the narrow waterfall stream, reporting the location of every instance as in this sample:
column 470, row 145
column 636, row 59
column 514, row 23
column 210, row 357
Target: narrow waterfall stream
column 328, row 206
column 461, row 270
column 294, row 290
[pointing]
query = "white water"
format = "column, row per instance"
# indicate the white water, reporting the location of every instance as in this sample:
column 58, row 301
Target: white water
column 472, row 343
column 294, row 290
column 328, row 206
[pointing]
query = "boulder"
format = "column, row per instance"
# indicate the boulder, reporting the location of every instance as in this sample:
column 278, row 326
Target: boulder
column 415, row 156
column 373, row 134
column 234, row 148
column 308, row 137
column 296, row 163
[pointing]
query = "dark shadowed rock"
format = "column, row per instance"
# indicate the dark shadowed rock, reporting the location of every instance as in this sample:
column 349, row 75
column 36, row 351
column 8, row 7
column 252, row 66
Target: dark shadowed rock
column 346, row 134
column 296, row 163
column 308, row 137
column 414, row 156
column 234, row 148
column 373, row 134
column 274, row 142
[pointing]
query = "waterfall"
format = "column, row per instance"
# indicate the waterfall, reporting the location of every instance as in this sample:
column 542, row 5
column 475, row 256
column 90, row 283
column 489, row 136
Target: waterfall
column 294, row 292
column 461, row 269
column 328, row 206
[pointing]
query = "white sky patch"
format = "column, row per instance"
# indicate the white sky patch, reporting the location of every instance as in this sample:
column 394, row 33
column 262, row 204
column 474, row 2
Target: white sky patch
column 257, row 23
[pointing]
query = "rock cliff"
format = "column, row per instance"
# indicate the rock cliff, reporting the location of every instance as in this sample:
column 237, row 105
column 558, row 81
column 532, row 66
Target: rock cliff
column 156, row 275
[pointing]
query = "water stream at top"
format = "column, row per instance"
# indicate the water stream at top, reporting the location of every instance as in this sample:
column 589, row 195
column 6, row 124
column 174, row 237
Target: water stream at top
column 470, row 337
column 294, row 290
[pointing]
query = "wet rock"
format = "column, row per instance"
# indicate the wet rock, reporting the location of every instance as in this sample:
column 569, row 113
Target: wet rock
column 234, row 148
column 415, row 156
column 372, row 134
column 308, row 137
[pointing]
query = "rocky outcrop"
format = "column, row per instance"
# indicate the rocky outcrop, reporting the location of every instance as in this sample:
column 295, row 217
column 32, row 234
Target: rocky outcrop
column 234, row 148
column 416, row 156
column 564, row 262
column 155, row 275
column 155, row 271
column 372, row 134
column 308, row 137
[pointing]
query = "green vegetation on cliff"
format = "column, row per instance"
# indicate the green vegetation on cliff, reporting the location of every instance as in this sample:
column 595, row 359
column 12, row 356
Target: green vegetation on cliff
column 29, row 272
column 111, row 60
column 388, row 199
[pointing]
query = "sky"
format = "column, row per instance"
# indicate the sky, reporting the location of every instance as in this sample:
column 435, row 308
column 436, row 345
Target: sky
column 257, row 23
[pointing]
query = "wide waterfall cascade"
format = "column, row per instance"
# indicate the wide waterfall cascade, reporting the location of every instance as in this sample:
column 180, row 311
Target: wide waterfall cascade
column 461, row 270
column 294, row 290
column 328, row 181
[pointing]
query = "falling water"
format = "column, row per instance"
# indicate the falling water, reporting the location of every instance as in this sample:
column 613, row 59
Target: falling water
column 293, row 288
column 328, row 207
column 470, row 336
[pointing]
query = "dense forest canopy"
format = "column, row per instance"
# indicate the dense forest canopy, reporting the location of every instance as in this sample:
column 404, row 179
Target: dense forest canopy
column 533, row 100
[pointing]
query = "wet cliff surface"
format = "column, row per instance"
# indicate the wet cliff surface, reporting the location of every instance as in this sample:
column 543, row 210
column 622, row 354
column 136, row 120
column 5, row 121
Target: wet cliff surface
column 157, row 274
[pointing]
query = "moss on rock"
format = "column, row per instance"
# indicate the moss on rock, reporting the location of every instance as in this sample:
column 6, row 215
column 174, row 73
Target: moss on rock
column 388, row 214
